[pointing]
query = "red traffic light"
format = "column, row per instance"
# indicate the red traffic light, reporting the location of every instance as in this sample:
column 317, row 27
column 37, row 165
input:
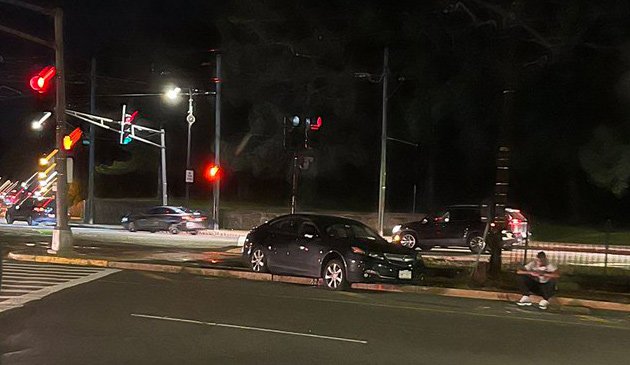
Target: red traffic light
column 317, row 125
column 41, row 82
column 212, row 173
column 71, row 139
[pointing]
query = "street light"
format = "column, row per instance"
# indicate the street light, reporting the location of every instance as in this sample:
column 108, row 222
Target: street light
column 172, row 95
column 382, row 184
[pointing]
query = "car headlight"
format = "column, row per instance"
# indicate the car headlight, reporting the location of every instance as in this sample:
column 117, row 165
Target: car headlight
column 396, row 229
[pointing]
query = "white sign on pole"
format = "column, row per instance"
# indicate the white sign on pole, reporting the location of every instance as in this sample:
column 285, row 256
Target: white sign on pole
column 190, row 176
column 69, row 170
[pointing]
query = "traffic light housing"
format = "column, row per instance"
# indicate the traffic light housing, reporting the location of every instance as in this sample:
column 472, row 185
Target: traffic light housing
column 311, row 134
column 43, row 80
column 126, row 129
column 301, row 133
column 71, row 139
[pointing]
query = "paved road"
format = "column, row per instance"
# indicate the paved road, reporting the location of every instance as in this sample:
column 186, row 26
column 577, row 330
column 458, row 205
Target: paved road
column 148, row 318
column 116, row 236
column 24, row 282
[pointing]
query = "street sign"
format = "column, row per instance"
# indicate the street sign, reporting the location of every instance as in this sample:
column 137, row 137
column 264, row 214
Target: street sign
column 69, row 170
column 190, row 176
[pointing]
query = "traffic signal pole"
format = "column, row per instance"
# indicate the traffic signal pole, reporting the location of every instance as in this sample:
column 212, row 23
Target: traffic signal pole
column 217, row 145
column 62, row 236
column 89, row 206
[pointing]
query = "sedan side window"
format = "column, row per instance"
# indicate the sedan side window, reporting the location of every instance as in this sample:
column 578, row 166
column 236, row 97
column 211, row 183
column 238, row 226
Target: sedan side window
column 338, row 231
column 286, row 226
column 308, row 230
column 158, row 210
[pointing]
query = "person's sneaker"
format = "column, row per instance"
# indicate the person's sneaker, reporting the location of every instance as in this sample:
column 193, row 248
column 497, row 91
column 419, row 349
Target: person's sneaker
column 524, row 301
column 543, row 304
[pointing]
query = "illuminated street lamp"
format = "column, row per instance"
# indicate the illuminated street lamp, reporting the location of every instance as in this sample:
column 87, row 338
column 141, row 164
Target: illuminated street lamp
column 172, row 95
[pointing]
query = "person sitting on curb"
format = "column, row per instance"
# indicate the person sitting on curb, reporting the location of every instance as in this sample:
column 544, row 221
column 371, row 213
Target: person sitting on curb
column 538, row 277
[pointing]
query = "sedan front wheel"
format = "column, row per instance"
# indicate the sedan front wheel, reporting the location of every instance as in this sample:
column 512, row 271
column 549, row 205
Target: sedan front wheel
column 476, row 244
column 258, row 260
column 334, row 275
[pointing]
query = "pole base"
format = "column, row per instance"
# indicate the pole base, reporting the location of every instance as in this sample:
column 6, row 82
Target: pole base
column 61, row 242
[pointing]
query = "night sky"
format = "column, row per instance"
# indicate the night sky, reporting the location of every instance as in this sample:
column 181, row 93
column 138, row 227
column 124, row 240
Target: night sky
column 567, row 61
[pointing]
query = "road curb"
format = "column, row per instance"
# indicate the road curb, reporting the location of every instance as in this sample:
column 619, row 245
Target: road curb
column 237, row 274
column 59, row 260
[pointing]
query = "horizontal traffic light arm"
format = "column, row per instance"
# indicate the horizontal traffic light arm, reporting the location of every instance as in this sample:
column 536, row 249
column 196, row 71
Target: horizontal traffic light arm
column 101, row 122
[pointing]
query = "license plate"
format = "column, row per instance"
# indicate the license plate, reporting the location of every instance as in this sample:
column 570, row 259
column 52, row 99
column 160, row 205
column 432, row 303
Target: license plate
column 404, row 274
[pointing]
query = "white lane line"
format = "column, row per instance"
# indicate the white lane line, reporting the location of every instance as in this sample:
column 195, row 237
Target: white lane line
column 50, row 274
column 47, row 266
column 16, row 302
column 42, row 275
column 48, row 269
column 164, row 318
column 43, row 282
column 7, row 286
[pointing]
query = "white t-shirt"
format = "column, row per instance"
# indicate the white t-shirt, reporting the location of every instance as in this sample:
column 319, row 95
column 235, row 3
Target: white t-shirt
column 549, row 268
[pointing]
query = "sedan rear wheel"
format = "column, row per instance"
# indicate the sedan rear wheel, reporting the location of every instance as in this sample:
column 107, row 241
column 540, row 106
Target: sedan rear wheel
column 173, row 229
column 258, row 260
column 409, row 240
column 334, row 275
column 476, row 244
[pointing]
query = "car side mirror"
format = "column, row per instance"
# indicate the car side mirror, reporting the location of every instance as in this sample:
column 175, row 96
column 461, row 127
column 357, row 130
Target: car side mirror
column 446, row 220
column 17, row 207
column 424, row 221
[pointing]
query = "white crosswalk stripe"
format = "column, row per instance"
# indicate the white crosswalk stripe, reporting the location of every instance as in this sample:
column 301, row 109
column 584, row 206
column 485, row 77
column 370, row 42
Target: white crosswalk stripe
column 23, row 282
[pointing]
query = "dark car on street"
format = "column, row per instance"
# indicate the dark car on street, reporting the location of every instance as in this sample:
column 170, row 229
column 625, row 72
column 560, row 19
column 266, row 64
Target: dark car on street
column 32, row 211
column 341, row 251
column 459, row 225
column 166, row 218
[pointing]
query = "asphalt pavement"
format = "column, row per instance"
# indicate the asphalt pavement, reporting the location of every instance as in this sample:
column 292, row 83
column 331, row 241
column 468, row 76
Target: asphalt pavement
column 148, row 318
column 115, row 235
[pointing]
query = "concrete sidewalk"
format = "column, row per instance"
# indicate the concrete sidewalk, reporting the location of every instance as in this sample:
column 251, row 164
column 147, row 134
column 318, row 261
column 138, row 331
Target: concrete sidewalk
column 170, row 262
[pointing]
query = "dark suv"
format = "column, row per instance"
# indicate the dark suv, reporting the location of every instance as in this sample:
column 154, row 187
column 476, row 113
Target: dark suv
column 459, row 225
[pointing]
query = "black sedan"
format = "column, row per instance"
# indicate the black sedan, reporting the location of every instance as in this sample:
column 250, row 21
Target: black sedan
column 166, row 218
column 338, row 250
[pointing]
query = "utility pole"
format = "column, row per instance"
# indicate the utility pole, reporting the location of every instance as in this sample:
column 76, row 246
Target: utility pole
column 383, row 171
column 217, row 144
column 89, row 207
column 62, row 236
